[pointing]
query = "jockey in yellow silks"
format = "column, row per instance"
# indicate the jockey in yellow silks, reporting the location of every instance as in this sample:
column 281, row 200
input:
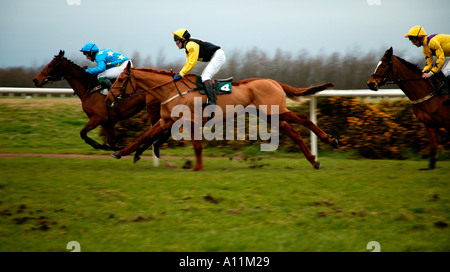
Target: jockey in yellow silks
column 198, row 50
column 437, row 45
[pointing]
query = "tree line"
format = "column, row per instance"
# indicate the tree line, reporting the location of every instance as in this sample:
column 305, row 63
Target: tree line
column 346, row 71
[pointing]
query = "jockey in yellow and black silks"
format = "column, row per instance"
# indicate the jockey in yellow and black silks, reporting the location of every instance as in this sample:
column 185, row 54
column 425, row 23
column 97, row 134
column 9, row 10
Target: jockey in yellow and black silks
column 436, row 45
column 198, row 50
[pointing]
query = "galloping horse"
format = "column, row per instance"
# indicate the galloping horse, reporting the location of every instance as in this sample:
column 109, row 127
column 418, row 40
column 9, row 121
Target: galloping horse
column 426, row 104
column 256, row 92
column 93, row 102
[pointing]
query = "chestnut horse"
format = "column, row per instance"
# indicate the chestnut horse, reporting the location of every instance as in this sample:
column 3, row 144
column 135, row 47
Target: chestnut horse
column 426, row 103
column 93, row 102
column 256, row 92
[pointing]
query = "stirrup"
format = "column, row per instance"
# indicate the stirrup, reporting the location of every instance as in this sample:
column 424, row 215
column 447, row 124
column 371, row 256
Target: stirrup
column 207, row 103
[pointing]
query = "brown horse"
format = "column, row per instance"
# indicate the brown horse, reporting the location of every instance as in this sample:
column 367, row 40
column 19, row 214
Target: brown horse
column 256, row 92
column 426, row 103
column 86, row 87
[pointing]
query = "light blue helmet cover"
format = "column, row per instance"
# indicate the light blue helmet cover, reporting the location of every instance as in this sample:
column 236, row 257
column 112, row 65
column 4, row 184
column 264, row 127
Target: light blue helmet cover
column 89, row 47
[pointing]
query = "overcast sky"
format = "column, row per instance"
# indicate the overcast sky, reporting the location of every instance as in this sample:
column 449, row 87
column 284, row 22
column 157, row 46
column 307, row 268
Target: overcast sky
column 32, row 31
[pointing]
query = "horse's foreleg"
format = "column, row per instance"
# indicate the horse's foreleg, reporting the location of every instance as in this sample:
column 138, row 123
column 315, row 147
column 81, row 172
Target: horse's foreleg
column 90, row 125
column 159, row 142
column 432, row 133
column 110, row 136
column 303, row 120
column 288, row 130
column 154, row 116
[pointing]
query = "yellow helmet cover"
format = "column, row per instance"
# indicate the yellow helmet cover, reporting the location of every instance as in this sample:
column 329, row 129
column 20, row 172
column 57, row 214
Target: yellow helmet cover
column 181, row 34
column 416, row 31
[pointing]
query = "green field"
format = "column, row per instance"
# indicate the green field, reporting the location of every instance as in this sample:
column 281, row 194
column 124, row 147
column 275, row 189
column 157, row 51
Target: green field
column 239, row 203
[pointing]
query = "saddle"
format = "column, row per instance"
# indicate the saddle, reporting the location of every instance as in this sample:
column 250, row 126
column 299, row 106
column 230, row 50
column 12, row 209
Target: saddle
column 100, row 87
column 440, row 83
column 220, row 86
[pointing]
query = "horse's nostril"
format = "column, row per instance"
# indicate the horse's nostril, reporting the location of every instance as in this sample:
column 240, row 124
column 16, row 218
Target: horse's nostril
column 371, row 85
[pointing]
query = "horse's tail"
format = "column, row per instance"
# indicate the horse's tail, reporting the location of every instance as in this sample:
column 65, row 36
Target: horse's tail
column 294, row 93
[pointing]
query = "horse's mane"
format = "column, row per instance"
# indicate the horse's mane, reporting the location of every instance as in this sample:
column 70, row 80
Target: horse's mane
column 85, row 75
column 409, row 65
column 156, row 71
column 78, row 67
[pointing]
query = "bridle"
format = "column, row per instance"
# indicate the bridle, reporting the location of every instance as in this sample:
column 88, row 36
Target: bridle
column 48, row 77
column 122, row 88
column 385, row 80
column 384, row 77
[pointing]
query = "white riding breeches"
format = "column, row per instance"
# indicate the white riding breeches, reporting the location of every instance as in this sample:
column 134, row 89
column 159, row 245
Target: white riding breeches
column 446, row 67
column 114, row 72
column 214, row 65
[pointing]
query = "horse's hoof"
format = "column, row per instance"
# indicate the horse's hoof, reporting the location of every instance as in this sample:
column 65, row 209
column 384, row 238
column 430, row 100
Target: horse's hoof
column 432, row 164
column 107, row 147
column 136, row 159
column 317, row 165
column 156, row 151
column 116, row 155
column 335, row 143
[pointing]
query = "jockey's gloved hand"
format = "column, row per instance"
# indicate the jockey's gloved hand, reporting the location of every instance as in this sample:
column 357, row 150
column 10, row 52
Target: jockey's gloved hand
column 177, row 77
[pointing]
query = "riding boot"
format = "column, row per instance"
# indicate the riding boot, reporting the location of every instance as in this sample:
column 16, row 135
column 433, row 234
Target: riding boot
column 106, row 84
column 209, row 93
column 447, row 85
column 447, row 101
column 441, row 83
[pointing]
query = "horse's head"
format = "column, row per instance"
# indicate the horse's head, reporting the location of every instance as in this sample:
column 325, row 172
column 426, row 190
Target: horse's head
column 51, row 72
column 383, row 72
column 121, row 87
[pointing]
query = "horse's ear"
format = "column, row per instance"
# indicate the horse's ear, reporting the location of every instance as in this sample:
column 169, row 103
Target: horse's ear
column 390, row 51
column 61, row 53
column 128, row 66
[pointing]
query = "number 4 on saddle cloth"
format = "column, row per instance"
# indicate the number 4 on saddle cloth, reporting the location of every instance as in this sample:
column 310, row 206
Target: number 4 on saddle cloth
column 220, row 86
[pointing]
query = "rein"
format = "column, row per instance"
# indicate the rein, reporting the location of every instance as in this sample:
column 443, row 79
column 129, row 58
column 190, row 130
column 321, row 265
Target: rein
column 385, row 80
column 124, row 86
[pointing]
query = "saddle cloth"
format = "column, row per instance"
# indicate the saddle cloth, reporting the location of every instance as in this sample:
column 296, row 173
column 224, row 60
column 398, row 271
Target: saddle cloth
column 220, row 86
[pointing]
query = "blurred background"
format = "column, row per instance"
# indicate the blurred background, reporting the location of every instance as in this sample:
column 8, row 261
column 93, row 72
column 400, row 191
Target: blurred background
column 295, row 42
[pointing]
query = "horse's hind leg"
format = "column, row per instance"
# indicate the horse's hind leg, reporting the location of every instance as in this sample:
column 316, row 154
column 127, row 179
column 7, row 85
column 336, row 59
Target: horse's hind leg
column 302, row 119
column 432, row 132
column 198, row 154
column 148, row 137
column 295, row 136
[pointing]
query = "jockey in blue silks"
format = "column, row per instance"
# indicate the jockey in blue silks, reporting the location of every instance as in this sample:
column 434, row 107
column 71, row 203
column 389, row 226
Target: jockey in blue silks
column 109, row 64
